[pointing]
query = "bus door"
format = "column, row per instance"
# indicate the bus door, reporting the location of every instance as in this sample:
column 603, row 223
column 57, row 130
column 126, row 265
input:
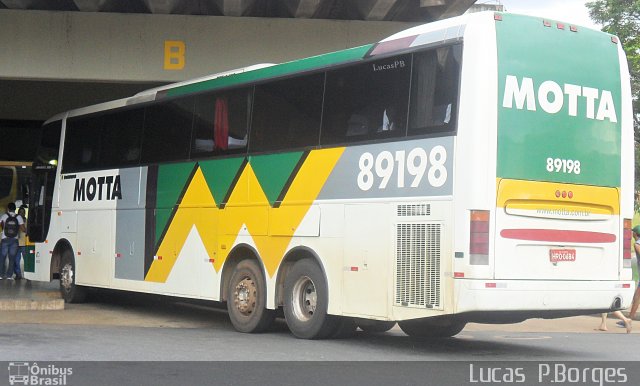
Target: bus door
column 40, row 200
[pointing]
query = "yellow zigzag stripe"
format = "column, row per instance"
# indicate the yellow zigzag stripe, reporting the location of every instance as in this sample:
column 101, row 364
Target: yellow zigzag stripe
column 248, row 206
column 198, row 208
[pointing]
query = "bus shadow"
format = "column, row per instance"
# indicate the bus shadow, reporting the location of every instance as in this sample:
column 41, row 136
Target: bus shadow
column 468, row 345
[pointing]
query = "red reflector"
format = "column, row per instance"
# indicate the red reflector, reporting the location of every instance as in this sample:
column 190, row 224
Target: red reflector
column 560, row 26
column 458, row 274
column 497, row 17
column 490, row 285
column 79, row 253
column 573, row 28
column 212, row 260
column 558, row 236
column 354, row 269
column 626, row 239
column 626, row 286
column 546, row 23
column 614, row 40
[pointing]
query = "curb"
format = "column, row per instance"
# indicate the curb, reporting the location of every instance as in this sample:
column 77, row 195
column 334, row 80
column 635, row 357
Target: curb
column 31, row 304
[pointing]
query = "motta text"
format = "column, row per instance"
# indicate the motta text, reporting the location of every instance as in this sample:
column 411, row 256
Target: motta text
column 551, row 97
column 97, row 188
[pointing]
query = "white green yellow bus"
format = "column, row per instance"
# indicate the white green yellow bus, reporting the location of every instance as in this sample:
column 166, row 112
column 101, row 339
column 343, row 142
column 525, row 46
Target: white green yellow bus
column 475, row 169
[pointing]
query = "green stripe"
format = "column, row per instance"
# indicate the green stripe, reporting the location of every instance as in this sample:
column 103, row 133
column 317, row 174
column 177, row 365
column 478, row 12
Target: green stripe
column 315, row 62
column 220, row 174
column 172, row 179
column 273, row 171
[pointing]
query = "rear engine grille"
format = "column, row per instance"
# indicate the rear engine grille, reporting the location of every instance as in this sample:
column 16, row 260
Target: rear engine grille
column 412, row 210
column 418, row 265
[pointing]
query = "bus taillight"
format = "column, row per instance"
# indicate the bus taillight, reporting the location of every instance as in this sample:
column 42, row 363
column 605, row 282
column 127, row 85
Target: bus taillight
column 479, row 238
column 626, row 249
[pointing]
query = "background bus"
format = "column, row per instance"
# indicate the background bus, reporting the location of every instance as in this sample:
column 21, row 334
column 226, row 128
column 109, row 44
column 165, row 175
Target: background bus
column 474, row 169
column 14, row 182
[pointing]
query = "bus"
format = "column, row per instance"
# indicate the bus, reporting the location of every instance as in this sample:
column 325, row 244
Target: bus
column 14, row 182
column 474, row 169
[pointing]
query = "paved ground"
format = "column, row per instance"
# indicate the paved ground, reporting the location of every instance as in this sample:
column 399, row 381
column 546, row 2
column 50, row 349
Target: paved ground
column 111, row 308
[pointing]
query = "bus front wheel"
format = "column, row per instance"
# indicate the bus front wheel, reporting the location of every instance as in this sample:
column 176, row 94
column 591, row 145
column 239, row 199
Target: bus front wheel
column 247, row 299
column 306, row 298
column 71, row 292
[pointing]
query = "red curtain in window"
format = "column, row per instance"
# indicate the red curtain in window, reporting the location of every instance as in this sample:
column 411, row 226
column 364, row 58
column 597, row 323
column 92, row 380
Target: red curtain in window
column 221, row 124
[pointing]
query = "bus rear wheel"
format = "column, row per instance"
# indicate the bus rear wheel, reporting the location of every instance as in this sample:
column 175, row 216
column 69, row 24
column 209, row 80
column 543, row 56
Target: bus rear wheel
column 306, row 299
column 71, row 292
column 426, row 328
column 247, row 299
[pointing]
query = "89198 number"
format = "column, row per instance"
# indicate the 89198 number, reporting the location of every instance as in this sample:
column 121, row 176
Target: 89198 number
column 416, row 163
column 559, row 165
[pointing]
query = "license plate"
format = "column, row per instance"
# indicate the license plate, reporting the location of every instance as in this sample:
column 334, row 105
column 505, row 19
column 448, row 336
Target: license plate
column 557, row 255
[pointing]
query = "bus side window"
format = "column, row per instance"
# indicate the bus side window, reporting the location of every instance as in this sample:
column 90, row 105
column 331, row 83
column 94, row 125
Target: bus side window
column 121, row 139
column 286, row 114
column 167, row 131
column 82, row 143
column 367, row 101
column 434, row 90
column 221, row 123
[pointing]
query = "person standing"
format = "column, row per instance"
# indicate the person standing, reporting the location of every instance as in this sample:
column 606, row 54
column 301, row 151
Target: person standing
column 11, row 225
column 22, row 243
column 636, row 296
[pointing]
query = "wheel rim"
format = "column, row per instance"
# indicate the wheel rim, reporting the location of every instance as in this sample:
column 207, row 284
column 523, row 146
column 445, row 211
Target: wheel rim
column 245, row 296
column 66, row 277
column 305, row 298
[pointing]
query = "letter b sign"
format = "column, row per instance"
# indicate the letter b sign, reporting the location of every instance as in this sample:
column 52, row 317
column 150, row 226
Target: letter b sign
column 174, row 54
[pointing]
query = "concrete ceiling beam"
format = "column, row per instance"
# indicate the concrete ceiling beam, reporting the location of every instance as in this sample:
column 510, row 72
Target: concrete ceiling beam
column 375, row 9
column 450, row 8
column 63, row 5
column 234, row 7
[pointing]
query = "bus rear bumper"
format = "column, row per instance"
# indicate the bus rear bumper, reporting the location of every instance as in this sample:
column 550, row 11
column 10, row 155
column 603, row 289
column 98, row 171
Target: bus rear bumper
column 497, row 300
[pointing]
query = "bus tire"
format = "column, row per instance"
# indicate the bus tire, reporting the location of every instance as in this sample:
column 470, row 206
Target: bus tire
column 306, row 299
column 71, row 292
column 375, row 326
column 247, row 299
column 425, row 328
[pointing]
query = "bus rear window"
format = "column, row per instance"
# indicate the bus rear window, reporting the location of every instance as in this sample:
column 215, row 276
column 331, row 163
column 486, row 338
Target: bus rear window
column 434, row 90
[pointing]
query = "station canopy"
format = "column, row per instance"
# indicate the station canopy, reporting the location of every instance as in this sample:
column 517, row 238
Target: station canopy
column 368, row 10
